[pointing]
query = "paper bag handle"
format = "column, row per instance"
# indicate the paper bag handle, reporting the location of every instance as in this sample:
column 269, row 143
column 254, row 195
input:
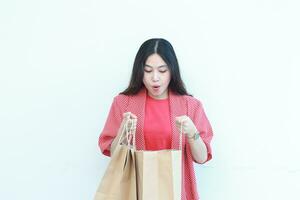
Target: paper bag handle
column 130, row 136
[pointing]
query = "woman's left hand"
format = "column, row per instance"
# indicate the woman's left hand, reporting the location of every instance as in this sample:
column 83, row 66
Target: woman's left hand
column 188, row 126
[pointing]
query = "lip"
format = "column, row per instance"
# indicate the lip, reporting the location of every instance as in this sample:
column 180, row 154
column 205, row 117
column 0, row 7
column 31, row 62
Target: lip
column 156, row 86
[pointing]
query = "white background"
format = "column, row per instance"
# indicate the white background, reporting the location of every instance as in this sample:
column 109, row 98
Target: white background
column 62, row 62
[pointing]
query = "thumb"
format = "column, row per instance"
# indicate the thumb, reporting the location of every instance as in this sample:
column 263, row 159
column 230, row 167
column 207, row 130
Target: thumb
column 126, row 115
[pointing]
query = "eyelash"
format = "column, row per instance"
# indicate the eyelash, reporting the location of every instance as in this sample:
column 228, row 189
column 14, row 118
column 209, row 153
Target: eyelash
column 159, row 71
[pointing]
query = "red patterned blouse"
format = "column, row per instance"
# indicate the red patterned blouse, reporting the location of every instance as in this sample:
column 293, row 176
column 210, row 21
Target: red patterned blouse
column 147, row 122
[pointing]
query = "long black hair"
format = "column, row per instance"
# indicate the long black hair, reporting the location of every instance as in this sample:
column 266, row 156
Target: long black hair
column 165, row 50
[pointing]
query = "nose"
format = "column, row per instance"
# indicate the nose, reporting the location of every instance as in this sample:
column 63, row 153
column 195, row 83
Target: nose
column 155, row 76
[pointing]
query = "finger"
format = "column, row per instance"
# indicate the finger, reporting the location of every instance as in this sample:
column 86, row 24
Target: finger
column 179, row 125
column 132, row 122
column 133, row 116
column 178, row 119
column 182, row 120
column 126, row 115
column 178, row 122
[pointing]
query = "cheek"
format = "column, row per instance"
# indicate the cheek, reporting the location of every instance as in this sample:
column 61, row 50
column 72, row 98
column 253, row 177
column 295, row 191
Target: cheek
column 145, row 79
column 167, row 78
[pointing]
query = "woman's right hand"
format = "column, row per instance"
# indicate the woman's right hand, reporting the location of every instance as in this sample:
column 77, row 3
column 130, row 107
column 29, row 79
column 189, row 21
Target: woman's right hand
column 131, row 120
column 127, row 116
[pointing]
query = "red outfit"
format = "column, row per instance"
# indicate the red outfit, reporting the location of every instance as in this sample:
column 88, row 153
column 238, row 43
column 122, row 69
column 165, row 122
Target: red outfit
column 157, row 125
column 178, row 105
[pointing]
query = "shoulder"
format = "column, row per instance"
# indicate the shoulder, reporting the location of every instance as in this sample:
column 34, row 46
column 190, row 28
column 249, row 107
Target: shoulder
column 192, row 101
column 121, row 97
column 120, row 100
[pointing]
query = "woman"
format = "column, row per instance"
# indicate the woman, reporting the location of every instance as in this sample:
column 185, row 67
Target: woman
column 157, row 101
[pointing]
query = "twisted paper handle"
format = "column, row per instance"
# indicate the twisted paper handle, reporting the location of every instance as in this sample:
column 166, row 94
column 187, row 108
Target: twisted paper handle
column 130, row 135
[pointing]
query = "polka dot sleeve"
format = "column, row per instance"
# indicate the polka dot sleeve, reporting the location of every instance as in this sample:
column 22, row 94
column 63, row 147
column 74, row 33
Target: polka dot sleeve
column 111, row 127
column 204, row 127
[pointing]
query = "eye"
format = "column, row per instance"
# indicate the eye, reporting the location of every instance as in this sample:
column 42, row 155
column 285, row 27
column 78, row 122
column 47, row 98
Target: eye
column 163, row 71
column 147, row 71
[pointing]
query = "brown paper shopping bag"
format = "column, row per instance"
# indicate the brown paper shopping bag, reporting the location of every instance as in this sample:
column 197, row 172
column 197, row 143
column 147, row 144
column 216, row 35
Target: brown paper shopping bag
column 119, row 179
column 159, row 173
column 140, row 174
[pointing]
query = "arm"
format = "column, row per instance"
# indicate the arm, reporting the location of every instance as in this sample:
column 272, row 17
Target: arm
column 200, row 148
column 117, row 138
column 111, row 127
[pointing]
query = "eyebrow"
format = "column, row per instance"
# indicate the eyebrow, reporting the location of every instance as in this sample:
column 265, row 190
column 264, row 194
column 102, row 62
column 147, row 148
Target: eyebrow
column 146, row 65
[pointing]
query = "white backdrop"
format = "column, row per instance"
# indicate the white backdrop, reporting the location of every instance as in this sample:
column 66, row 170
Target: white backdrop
column 62, row 62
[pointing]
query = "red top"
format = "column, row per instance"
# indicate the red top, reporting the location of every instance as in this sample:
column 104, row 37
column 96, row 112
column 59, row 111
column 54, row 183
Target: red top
column 157, row 124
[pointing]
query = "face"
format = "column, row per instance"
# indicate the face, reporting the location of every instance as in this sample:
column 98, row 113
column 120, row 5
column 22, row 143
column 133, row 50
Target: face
column 157, row 77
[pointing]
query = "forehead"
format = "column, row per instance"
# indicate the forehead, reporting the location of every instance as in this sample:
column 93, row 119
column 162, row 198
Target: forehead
column 155, row 61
